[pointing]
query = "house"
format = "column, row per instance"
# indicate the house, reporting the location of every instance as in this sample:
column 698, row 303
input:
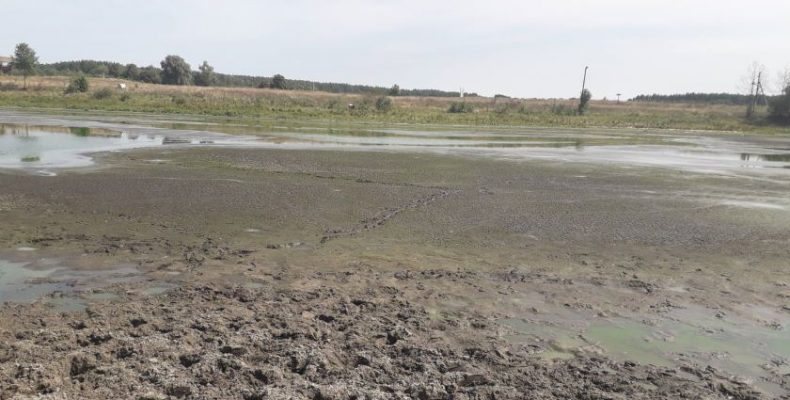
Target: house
column 5, row 63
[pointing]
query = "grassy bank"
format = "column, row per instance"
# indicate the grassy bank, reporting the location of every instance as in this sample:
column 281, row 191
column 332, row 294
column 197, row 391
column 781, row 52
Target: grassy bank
column 250, row 104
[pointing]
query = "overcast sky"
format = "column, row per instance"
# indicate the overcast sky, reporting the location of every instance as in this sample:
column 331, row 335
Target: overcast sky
column 525, row 48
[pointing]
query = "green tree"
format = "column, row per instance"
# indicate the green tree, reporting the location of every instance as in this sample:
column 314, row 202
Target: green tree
column 150, row 74
column 176, row 71
column 206, row 75
column 115, row 70
column 25, row 60
column 132, row 72
column 394, row 90
column 278, row 82
column 101, row 70
column 779, row 108
column 584, row 101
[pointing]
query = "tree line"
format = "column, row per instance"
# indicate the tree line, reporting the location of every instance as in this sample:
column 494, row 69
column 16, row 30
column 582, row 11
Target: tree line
column 707, row 98
column 174, row 70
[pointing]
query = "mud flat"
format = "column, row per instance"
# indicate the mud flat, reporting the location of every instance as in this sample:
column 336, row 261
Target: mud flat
column 295, row 266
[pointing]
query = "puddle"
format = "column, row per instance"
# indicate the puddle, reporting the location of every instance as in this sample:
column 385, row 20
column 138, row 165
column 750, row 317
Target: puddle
column 753, row 204
column 29, row 281
column 734, row 345
column 157, row 289
column 65, row 289
column 39, row 148
column 21, row 284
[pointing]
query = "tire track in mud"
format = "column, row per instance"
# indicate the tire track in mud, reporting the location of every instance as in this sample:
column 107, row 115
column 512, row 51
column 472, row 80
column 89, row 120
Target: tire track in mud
column 383, row 217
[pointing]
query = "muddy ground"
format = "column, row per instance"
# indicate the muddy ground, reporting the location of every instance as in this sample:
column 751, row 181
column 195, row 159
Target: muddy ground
column 338, row 275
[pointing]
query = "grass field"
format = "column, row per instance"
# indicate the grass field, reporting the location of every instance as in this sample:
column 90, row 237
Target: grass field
column 254, row 104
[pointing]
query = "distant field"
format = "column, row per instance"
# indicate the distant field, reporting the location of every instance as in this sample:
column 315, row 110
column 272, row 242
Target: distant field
column 253, row 103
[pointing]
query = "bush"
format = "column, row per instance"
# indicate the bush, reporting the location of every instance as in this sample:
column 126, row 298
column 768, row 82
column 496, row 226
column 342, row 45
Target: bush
column 102, row 94
column 584, row 101
column 125, row 97
column 460, row 107
column 78, row 85
column 383, row 104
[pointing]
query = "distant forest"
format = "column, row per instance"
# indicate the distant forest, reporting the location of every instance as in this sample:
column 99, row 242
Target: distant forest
column 707, row 98
column 151, row 74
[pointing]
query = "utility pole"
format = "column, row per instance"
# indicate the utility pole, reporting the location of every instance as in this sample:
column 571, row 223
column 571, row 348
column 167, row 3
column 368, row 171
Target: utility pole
column 760, row 91
column 754, row 95
column 581, row 95
column 584, row 80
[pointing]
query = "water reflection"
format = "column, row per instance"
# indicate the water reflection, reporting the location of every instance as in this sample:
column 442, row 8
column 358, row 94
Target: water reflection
column 765, row 157
column 80, row 131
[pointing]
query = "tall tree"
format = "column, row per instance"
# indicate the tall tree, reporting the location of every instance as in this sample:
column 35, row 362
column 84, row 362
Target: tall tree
column 176, row 71
column 394, row 90
column 132, row 72
column 779, row 109
column 206, row 75
column 150, row 74
column 25, row 60
column 278, row 82
column 115, row 70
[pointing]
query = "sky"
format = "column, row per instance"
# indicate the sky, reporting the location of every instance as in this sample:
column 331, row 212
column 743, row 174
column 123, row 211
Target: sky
column 521, row 48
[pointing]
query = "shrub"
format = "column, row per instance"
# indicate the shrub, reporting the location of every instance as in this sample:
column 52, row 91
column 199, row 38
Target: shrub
column 78, row 85
column 460, row 107
column 584, row 101
column 125, row 97
column 102, row 94
column 383, row 104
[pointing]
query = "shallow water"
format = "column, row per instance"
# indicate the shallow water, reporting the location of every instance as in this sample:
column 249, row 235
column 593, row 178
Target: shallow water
column 51, row 147
column 45, row 148
column 30, row 281
column 21, row 284
column 691, row 334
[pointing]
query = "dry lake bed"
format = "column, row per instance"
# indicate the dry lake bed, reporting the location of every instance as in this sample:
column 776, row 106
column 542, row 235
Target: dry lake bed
column 159, row 257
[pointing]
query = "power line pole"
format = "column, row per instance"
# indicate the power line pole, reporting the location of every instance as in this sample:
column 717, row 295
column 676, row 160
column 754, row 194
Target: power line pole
column 584, row 81
column 760, row 91
column 750, row 107
column 755, row 92
column 581, row 95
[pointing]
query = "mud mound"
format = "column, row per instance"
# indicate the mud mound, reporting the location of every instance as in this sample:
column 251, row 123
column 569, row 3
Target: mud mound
column 237, row 343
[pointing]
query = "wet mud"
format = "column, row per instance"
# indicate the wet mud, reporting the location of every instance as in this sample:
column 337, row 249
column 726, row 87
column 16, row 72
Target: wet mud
column 323, row 273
